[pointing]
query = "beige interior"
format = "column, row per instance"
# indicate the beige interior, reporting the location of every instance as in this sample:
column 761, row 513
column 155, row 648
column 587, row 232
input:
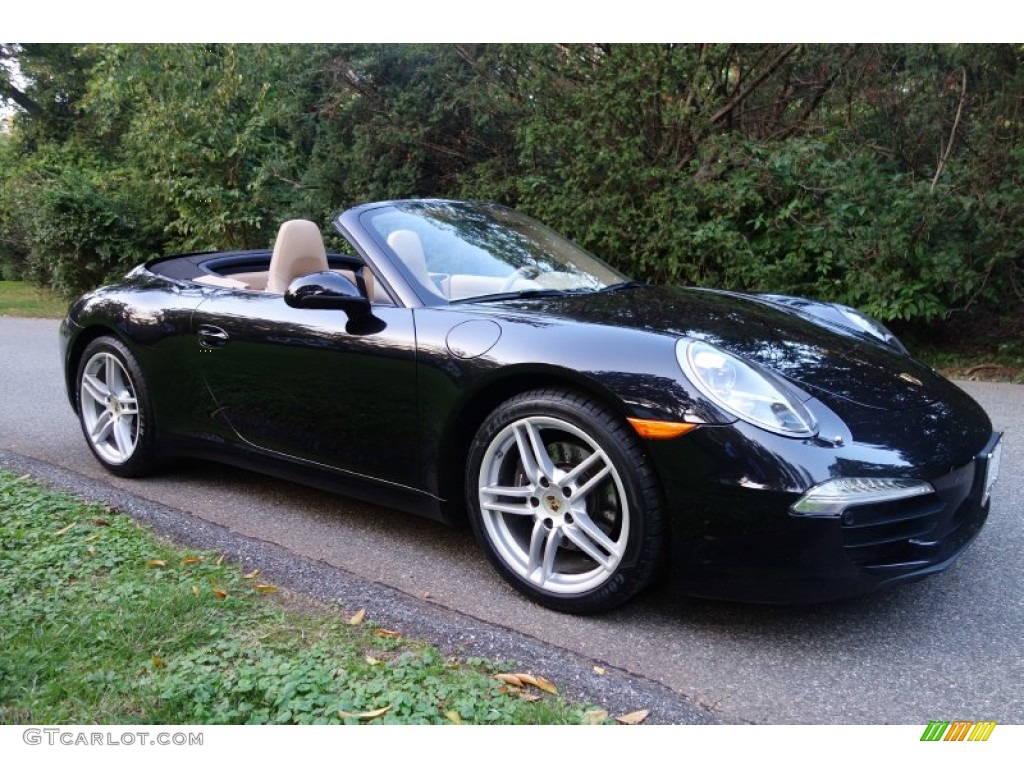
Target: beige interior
column 409, row 248
column 257, row 281
column 298, row 250
column 221, row 282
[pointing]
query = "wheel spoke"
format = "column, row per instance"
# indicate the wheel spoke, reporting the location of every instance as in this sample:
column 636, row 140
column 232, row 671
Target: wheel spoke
column 576, row 536
column 123, row 437
column 576, row 472
column 554, row 541
column 592, row 483
column 506, row 509
column 533, row 452
column 101, row 429
column 593, row 532
column 537, row 538
column 544, row 545
column 95, row 388
column 112, row 373
column 512, row 491
column 519, row 492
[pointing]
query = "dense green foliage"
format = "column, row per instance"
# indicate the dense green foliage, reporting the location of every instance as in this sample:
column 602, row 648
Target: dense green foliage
column 883, row 176
column 103, row 624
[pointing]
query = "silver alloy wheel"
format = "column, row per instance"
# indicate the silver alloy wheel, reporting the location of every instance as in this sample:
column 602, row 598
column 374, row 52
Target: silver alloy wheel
column 553, row 505
column 109, row 407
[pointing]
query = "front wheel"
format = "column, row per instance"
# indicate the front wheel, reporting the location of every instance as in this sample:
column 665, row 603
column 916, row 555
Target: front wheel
column 564, row 501
column 114, row 410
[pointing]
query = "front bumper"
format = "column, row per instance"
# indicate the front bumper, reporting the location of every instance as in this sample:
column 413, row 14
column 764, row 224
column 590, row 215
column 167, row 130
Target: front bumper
column 746, row 544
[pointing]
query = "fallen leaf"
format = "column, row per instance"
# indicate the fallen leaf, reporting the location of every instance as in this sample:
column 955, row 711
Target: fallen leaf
column 530, row 697
column 24, row 477
column 268, row 588
column 252, row 574
column 221, row 559
column 365, row 715
column 454, row 716
column 634, row 718
column 220, row 594
column 594, row 716
column 523, row 678
column 195, row 590
column 158, row 662
column 601, row 670
column 381, row 632
column 545, row 685
column 155, row 563
column 65, row 529
column 99, row 521
column 191, row 560
column 358, row 617
column 373, row 662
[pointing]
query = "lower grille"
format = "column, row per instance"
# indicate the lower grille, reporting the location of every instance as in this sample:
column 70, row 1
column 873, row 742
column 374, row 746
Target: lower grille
column 915, row 532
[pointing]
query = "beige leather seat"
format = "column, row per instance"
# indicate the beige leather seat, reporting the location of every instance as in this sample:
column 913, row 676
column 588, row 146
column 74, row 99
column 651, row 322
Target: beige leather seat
column 298, row 250
column 409, row 248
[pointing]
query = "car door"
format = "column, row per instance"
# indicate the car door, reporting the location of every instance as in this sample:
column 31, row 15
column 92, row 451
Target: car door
column 311, row 385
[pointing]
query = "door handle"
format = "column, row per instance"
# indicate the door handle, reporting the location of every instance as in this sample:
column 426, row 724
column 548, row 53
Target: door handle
column 210, row 336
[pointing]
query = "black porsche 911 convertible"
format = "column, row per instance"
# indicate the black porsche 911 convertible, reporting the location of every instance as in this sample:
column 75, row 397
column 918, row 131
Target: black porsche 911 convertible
column 462, row 360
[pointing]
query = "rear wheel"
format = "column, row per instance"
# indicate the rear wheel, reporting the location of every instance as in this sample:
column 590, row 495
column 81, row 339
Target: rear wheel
column 564, row 502
column 114, row 410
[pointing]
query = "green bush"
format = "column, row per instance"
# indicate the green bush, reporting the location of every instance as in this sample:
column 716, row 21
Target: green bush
column 82, row 229
column 882, row 176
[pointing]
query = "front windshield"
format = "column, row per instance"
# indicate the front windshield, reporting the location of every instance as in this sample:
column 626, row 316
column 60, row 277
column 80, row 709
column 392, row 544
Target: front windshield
column 465, row 251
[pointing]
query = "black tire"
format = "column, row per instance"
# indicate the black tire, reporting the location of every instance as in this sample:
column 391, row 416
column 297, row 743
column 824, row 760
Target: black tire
column 582, row 534
column 114, row 408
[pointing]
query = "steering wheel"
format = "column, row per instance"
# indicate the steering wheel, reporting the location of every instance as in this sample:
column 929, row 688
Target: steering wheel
column 523, row 273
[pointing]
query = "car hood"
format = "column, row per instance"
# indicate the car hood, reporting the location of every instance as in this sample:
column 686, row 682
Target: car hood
column 819, row 359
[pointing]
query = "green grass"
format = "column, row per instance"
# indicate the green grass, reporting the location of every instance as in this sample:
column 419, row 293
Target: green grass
column 103, row 623
column 25, row 300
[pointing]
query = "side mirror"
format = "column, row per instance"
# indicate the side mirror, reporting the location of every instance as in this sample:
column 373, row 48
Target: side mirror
column 327, row 290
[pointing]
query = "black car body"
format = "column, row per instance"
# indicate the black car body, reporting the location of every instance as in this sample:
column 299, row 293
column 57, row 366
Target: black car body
column 593, row 429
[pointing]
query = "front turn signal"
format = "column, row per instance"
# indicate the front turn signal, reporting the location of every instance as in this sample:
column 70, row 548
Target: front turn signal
column 661, row 430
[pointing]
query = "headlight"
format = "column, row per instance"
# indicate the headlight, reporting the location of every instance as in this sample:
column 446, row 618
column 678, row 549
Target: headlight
column 744, row 390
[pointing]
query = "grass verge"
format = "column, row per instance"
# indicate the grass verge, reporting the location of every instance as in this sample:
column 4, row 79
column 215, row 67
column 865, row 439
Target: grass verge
column 103, row 623
column 21, row 299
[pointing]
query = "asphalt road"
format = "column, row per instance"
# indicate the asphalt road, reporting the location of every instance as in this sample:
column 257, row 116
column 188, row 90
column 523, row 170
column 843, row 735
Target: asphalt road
column 949, row 647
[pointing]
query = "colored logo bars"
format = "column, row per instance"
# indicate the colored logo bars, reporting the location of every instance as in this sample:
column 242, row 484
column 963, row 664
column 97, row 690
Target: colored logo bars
column 958, row 730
